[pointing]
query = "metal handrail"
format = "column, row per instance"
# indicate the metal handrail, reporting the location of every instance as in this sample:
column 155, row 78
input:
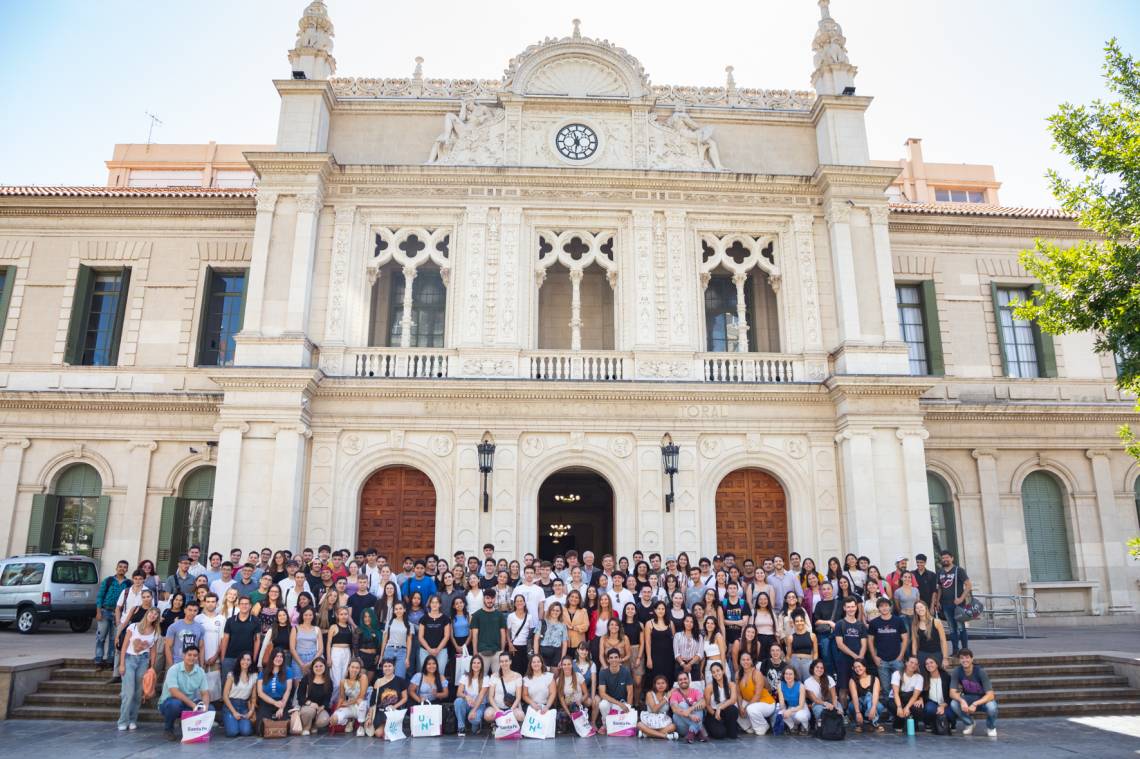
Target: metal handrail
column 1018, row 607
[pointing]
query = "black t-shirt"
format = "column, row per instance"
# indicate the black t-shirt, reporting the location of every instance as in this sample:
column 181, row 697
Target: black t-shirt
column 433, row 629
column 548, row 588
column 358, row 603
column 389, row 693
column 951, row 584
column 927, row 583
column 488, row 583
column 242, row 634
column 888, row 636
column 828, row 610
column 615, row 682
column 852, row 633
column 644, row 613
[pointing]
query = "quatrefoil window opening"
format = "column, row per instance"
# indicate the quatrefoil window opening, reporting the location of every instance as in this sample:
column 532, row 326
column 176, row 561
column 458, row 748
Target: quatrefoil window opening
column 412, row 246
column 381, row 245
column 576, row 249
column 443, row 246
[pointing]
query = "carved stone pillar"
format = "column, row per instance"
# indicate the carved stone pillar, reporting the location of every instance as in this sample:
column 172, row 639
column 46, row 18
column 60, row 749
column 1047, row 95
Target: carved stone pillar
column 11, row 462
column 406, row 314
column 1110, row 538
column 884, row 270
column 802, row 224
column 644, row 311
column 917, row 506
column 290, row 455
column 843, row 268
column 994, row 529
column 301, row 273
column 576, row 309
column 741, row 313
column 259, row 262
column 347, row 295
column 680, row 296
column 226, row 478
column 861, row 508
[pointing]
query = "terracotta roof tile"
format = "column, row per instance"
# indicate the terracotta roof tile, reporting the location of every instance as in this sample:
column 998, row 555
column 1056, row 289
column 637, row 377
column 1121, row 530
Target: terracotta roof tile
column 979, row 209
column 65, row 191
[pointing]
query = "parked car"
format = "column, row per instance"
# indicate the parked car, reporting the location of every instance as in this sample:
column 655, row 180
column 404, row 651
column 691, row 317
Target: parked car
column 39, row 587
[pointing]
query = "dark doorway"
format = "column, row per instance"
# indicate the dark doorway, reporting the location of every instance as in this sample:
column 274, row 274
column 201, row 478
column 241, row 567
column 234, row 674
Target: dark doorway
column 575, row 510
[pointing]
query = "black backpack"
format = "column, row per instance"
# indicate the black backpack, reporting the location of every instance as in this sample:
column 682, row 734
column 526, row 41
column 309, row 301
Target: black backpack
column 831, row 727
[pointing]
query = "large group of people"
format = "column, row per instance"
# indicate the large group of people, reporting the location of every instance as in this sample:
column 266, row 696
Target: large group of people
column 335, row 640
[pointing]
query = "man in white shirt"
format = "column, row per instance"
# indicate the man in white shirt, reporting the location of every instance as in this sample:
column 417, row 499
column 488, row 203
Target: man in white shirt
column 196, row 568
column 559, row 594
column 619, row 594
column 213, row 625
column 293, row 586
column 372, row 569
column 577, row 582
column 219, row 586
column 534, row 595
column 128, row 600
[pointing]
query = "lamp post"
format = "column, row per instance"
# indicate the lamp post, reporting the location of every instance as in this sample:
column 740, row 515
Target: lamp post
column 669, row 455
column 486, row 450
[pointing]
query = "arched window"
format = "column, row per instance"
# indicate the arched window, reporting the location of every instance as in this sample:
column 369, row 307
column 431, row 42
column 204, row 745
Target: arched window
column 1046, row 529
column 942, row 524
column 185, row 519
column 73, row 518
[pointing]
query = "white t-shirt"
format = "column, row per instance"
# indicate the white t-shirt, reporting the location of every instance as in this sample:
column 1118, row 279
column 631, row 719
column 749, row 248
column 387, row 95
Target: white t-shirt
column 812, row 686
column 290, row 594
column 538, row 688
column 212, row 640
column 520, row 630
column 534, row 596
column 906, row 682
column 140, row 643
column 621, row 598
column 129, row 599
column 220, row 586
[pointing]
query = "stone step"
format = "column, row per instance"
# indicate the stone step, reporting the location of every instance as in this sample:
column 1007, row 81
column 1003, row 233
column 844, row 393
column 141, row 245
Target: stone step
column 92, row 700
column 80, row 673
column 1045, row 670
column 1067, row 694
column 77, row 686
column 1100, row 707
column 1058, row 681
column 1043, row 659
column 82, row 713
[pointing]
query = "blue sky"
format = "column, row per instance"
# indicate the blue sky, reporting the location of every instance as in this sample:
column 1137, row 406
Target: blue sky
column 974, row 78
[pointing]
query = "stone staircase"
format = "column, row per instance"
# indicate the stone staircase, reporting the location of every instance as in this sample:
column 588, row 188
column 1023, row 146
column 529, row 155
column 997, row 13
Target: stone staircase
column 1030, row 686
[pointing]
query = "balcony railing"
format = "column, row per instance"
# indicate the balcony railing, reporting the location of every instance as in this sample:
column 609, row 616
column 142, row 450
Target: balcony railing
column 573, row 365
column 403, row 363
column 748, row 367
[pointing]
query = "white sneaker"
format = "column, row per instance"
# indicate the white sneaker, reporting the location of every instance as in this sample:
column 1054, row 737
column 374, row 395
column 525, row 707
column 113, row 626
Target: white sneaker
column 122, row 728
column 968, row 730
column 360, row 732
column 304, row 732
column 673, row 736
column 991, row 732
column 132, row 726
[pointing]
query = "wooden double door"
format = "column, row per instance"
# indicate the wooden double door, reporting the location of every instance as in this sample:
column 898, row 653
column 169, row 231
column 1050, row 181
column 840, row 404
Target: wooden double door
column 751, row 516
column 397, row 514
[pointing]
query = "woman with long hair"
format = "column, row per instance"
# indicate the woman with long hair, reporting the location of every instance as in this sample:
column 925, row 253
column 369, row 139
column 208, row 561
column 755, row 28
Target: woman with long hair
column 338, row 646
column 812, row 594
column 905, row 597
column 397, row 636
column 514, row 571
column 278, row 638
column 711, row 600
column 632, row 627
column 764, row 618
column 474, row 592
column 688, row 649
column 305, row 640
column 715, row 649
column 389, row 597
column 266, row 611
column 570, row 689
column 906, row 693
column 936, row 694
column 471, row 697
column 759, row 585
column 503, row 592
column 238, row 697
column 928, row 637
column 657, row 644
column 756, row 701
column 657, row 593
column 278, row 567
column 807, row 568
column 351, row 705
column 369, row 636
column 590, row 602
column 801, row 647
column 520, row 628
column 600, row 619
column 856, row 576
column 136, row 656
column 504, row 695
column 460, row 644
column 537, row 685
column 655, row 721
column 434, row 634
column 722, row 713
column 786, row 622
column 863, row 697
column 793, row 699
column 615, row 637
column 671, row 586
column 677, row 610
column 428, row 686
column 834, row 570
column 389, row 691
column 273, row 688
column 314, row 696
column 821, row 695
column 576, row 619
column 550, row 639
column 749, row 642
column 150, row 579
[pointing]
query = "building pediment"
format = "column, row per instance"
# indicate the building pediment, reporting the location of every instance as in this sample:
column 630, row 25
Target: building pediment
column 577, row 67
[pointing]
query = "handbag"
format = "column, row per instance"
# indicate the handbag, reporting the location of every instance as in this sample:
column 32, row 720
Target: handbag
column 148, row 684
column 831, row 726
column 941, row 724
column 274, row 728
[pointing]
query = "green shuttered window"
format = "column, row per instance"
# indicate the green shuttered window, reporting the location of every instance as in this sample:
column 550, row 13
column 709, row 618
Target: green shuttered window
column 98, row 310
column 1026, row 351
column 1046, row 529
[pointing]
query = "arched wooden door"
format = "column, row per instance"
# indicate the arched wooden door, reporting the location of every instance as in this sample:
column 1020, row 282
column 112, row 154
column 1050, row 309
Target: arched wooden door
column 751, row 516
column 397, row 514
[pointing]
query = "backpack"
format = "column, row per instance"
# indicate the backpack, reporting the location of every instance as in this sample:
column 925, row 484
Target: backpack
column 831, row 727
column 941, row 725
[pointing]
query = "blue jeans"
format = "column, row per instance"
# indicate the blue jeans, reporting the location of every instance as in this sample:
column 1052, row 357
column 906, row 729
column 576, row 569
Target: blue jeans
column 685, row 725
column 930, row 712
column 956, row 633
column 886, row 669
column 130, row 692
column 234, row 726
column 864, row 708
column 827, row 652
column 990, row 708
column 467, row 715
column 171, row 710
column 105, row 638
column 398, row 653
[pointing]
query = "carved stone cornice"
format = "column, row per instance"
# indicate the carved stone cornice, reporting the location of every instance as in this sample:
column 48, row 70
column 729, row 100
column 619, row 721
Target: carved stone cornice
column 979, row 453
column 15, row 442
column 111, row 402
column 268, row 164
column 994, row 228
column 120, row 208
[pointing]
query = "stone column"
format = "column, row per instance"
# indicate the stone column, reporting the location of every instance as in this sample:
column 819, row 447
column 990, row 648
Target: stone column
column 644, row 311
column 301, row 271
column 884, row 269
column 226, row 480
column 406, row 314
column 917, row 506
column 843, row 268
column 345, row 296
column 859, row 491
column 126, row 521
column 471, row 287
column 802, row 224
column 287, row 485
column 993, row 527
column 11, row 462
column 1115, row 565
column 576, row 309
column 259, row 262
column 741, row 313
column 681, row 299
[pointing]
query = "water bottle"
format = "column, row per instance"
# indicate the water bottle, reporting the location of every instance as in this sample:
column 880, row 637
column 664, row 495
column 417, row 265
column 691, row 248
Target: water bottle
column 910, row 726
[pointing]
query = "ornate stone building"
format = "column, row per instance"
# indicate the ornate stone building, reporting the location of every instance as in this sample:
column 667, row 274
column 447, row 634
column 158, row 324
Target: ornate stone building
column 573, row 263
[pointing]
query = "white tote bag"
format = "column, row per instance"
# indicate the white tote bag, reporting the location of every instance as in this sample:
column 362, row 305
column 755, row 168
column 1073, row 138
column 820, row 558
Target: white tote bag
column 538, row 725
column 621, row 724
column 394, row 724
column 196, row 726
column 582, row 726
column 506, row 726
column 462, row 667
column 427, row 720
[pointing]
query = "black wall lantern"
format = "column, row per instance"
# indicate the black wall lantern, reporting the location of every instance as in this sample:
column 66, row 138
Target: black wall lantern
column 669, row 454
column 486, row 450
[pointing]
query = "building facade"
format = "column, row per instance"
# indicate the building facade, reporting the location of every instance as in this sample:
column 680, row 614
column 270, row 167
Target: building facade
column 573, row 264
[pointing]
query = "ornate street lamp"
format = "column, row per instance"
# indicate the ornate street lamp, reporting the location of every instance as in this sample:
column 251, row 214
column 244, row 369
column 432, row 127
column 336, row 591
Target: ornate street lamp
column 486, row 450
column 669, row 454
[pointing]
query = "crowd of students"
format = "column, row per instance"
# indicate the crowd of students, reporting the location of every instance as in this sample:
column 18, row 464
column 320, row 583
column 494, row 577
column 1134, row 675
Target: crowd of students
column 330, row 640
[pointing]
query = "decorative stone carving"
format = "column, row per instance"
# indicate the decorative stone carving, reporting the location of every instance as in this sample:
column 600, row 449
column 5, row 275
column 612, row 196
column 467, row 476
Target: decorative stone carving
column 266, row 201
column 709, row 447
column 352, row 445
column 665, row 369
column 441, row 445
column 833, row 70
column 314, row 30
column 753, row 442
column 621, row 446
column 680, row 142
column 308, row 203
column 488, row 367
column 796, row 447
column 550, row 64
column 338, row 274
column 532, row 446
column 434, row 245
column 473, row 136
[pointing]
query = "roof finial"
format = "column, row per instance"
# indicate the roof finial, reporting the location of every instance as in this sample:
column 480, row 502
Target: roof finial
column 824, row 8
column 577, row 29
column 312, row 53
column 833, row 74
column 730, row 80
column 419, row 72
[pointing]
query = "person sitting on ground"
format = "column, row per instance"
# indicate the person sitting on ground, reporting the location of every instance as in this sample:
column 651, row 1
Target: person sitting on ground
column 389, row 692
column 314, row 695
column 184, row 689
column 970, row 690
column 273, row 689
column 757, row 703
column 906, row 693
column 615, row 687
column 505, row 692
column 688, row 704
column 936, row 695
column 793, row 701
column 863, row 699
column 655, row 721
column 722, row 713
column 238, row 703
column 821, row 695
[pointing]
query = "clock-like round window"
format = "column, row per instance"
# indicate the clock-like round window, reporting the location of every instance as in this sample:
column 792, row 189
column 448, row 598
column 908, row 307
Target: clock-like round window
column 576, row 142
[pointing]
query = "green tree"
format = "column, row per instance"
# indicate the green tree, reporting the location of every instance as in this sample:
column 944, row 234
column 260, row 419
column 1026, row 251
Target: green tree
column 1094, row 285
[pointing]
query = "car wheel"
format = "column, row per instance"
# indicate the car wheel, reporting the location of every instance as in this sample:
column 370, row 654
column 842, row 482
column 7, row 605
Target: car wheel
column 81, row 625
column 27, row 621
